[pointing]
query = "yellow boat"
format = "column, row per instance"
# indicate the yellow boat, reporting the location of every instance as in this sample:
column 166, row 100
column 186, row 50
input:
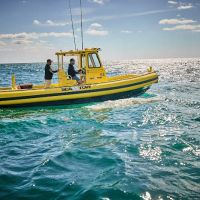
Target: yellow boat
column 97, row 86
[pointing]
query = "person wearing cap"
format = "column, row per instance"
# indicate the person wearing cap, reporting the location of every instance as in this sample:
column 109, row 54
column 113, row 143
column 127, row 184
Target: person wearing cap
column 72, row 72
column 48, row 73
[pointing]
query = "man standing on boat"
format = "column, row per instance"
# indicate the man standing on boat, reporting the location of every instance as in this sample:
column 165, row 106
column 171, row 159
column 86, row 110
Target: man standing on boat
column 48, row 73
column 72, row 72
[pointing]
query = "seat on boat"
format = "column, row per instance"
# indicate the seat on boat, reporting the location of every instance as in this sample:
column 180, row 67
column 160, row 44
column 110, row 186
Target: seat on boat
column 65, row 80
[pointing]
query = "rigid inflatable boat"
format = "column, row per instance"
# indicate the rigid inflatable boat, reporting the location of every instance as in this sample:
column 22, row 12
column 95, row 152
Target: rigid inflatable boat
column 96, row 85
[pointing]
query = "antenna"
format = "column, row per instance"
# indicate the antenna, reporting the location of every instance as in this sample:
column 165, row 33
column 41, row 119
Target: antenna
column 81, row 22
column 72, row 25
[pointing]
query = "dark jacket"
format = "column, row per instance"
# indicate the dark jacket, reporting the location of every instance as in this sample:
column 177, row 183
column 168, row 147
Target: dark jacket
column 48, row 73
column 71, row 71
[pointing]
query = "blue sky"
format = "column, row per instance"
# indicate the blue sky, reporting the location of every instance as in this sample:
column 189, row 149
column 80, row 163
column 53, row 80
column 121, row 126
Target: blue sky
column 33, row 30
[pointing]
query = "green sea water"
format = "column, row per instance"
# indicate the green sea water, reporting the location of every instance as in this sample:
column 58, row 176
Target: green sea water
column 137, row 148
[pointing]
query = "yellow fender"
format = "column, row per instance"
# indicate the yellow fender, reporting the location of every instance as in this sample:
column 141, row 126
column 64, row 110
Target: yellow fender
column 150, row 69
column 14, row 86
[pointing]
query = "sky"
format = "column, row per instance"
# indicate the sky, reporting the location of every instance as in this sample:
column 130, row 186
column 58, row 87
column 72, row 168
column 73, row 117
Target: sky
column 33, row 30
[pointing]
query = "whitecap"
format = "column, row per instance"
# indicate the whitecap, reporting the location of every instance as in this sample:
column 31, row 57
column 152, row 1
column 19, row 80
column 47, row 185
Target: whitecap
column 149, row 152
column 120, row 103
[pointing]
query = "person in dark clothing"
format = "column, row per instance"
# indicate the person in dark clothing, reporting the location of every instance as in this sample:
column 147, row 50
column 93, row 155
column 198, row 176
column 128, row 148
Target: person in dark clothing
column 48, row 73
column 72, row 72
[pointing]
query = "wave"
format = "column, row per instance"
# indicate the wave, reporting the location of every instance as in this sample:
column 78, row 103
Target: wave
column 121, row 103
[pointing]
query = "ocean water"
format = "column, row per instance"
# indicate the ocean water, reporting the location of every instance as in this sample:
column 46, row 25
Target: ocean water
column 138, row 148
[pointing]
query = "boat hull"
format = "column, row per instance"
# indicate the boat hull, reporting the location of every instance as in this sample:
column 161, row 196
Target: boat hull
column 78, row 94
column 121, row 95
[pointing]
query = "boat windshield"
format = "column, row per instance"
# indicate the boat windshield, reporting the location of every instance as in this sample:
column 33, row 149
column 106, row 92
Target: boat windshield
column 93, row 60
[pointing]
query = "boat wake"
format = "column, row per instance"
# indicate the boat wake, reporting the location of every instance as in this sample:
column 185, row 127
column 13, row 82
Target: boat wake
column 121, row 103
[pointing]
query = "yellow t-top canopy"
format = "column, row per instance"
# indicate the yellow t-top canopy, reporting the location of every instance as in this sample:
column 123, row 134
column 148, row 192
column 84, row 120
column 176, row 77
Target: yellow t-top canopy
column 77, row 52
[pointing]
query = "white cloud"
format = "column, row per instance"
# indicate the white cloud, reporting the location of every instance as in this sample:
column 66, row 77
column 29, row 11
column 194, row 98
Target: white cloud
column 27, row 39
column 22, row 42
column 36, row 22
column 190, row 27
column 180, row 24
column 24, row 47
column 126, row 31
column 100, row 2
column 97, row 25
column 96, row 29
column 55, row 34
column 22, row 35
column 95, row 32
column 52, row 23
column 184, row 6
column 34, row 35
column 180, row 5
column 172, row 2
column 176, row 21
column 49, row 23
